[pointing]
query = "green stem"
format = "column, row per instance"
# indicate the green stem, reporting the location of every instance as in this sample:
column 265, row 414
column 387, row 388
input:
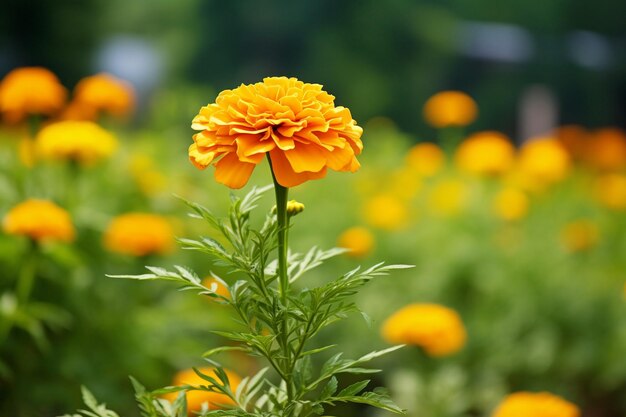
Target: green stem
column 283, row 228
column 26, row 278
column 449, row 138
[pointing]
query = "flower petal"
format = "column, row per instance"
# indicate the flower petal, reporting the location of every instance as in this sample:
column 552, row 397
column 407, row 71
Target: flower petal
column 306, row 158
column 284, row 173
column 231, row 172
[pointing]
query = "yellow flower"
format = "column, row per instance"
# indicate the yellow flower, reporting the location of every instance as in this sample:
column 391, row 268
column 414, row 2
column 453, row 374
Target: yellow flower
column 145, row 173
column 403, row 183
column 610, row 191
column 543, row 161
column 294, row 207
column 30, row 90
column 102, row 93
column 83, row 142
column 426, row 159
column 437, row 329
column 448, row 197
column 580, row 235
column 139, row 234
column 485, row 153
column 606, row 149
column 510, row 204
column 39, row 220
column 358, row 240
column 530, row 404
column 216, row 285
column 295, row 123
column 450, row 108
column 195, row 399
column 386, row 211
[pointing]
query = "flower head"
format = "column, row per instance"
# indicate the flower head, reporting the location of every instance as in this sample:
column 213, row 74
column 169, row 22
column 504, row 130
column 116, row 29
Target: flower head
column 39, row 220
column 358, row 240
column 426, row 159
column 540, row 404
column 610, row 191
column 386, row 211
column 485, row 153
column 216, row 285
column 606, row 149
column 543, row 161
column 30, row 90
column 296, row 123
column 196, row 398
column 437, row 329
column 448, row 197
column 139, row 234
column 574, row 139
column 450, row 108
column 101, row 93
column 83, row 142
column 510, row 204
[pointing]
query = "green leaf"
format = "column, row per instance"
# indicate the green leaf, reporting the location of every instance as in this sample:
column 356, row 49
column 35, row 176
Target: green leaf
column 330, row 388
column 353, row 389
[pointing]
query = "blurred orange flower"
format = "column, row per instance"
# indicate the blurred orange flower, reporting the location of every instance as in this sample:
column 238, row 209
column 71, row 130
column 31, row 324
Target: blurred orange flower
column 606, row 149
column 83, row 142
column 386, row 211
column 485, row 153
column 39, row 220
column 541, row 404
column 217, row 286
column 358, row 240
column 437, row 329
column 448, row 197
column 196, row 398
column 450, row 108
column 101, row 93
column 610, row 191
column 573, row 138
column 139, row 234
column 510, row 204
column 28, row 91
column 295, row 123
column 580, row 235
column 426, row 159
column 543, row 161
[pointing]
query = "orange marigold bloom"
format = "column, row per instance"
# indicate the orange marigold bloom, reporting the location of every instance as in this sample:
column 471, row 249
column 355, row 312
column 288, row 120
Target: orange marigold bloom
column 543, row 161
column 39, row 220
column 139, row 234
column 30, row 90
column 450, row 108
column 540, row 404
column 573, row 138
column 358, row 240
column 610, row 191
column 296, row 123
column 83, row 142
column 437, row 329
column 485, row 153
column 426, row 159
column 216, row 285
column 510, row 204
column 196, row 398
column 606, row 149
column 103, row 93
column 386, row 211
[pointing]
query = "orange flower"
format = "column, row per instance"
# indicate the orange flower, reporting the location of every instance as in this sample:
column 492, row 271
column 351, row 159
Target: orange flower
column 573, row 138
column 580, row 235
column 39, row 220
column 296, row 123
column 217, row 286
column 437, row 329
column 84, row 142
column 386, row 211
column 358, row 240
column 540, row 404
column 606, row 149
column 543, row 161
column 101, row 93
column 139, row 234
column 610, row 191
column 30, row 90
column 426, row 159
column 196, row 398
column 450, row 108
column 485, row 153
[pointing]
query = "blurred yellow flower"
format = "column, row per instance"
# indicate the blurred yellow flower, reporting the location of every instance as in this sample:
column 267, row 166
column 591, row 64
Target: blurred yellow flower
column 83, row 142
column 386, row 211
column 358, row 240
column 448, row 197
column 426, row 159
column 216, row 285
column 195, row 399
column 146, row 174
column 30, row 91
column 573, row 138
column 450, row 108
column 404, row 183
column 101, row 93
column 510, row 204
column 39, row 220
column 541, row 404
column 606, row 149
column 580, row 235
column 139, row 234
column 437, row 329
column 297, row 124
column 485, row 153
column 610, row 191
column 543, row 161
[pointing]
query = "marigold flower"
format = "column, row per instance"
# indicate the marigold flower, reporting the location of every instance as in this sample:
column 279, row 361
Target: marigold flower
column 540, row 404
column 606, row 149
column 139, row 234
column 358, row 240
column 448, row 197
column 543, row 161
column 580, row 235
column 450, row 108
column 39, row 220
column 386, row 211
column 573, row 138
column 437, row 329
column 485, row 153
column 216, row 285
column 83, row 142
column 30, row 90
column 510, row 204
column 294, row 207
column 610, row 191
column 295, row 123
column 426, row 159
column 196, row 398
column 102, row 93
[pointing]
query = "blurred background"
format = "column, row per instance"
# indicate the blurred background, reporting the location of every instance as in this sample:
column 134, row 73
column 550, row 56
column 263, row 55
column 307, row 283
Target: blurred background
column 510, row 197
